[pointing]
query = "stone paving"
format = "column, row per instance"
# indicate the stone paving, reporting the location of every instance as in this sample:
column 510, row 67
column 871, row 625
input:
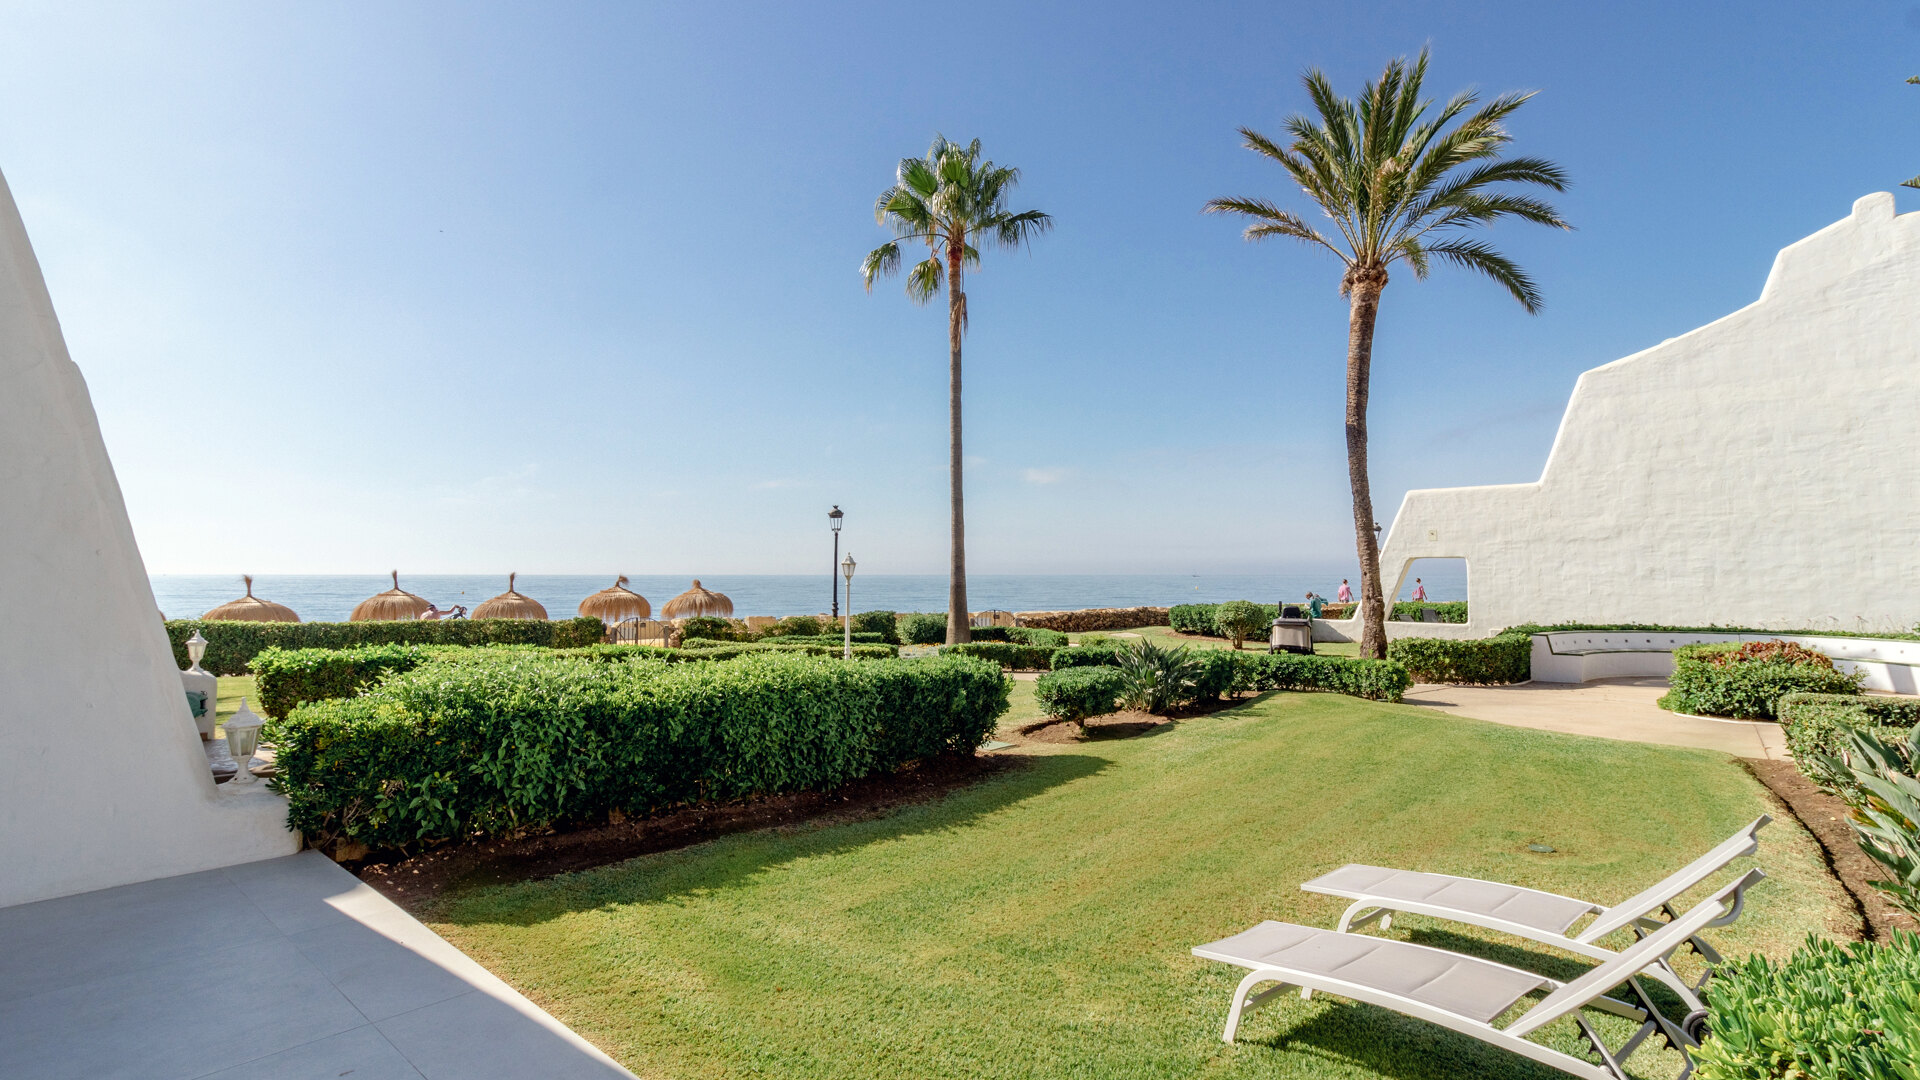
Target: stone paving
column 1608, row 708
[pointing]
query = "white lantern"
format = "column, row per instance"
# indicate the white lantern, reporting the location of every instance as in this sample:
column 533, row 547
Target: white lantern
column 243, row 738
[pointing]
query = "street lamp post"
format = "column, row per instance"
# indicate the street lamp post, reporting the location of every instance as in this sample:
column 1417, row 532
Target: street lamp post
column 833, row 519
column 846, row 567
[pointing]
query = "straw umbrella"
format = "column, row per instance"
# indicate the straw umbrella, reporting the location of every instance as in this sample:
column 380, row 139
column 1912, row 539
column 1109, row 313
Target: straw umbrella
column 511, row 605
column 251, row 608
column 393, row 605
column 697, row 601
column 616, row 604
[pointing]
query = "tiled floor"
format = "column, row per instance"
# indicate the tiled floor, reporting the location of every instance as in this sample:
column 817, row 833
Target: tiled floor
column 288, row 968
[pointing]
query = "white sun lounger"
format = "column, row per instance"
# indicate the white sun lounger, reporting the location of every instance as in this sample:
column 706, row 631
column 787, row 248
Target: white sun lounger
column 1466, row 994
column 1545, row 917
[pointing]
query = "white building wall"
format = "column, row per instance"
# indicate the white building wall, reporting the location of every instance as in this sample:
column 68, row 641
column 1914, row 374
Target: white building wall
column 1761, row 471
column 102, row 777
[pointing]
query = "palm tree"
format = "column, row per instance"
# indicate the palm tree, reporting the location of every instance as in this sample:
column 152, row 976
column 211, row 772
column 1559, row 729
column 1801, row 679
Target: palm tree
column 1398, row 186
column 950, row 200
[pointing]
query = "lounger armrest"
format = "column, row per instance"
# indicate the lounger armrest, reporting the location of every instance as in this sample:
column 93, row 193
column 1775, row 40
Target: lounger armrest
column 1629, row 911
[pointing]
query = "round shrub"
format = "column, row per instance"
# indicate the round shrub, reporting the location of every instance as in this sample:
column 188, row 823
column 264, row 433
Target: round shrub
column 1238, row 620
column 710, row 628
column 1078, row 693
column 1747, row 681
column 920, row 628
column 797, row 626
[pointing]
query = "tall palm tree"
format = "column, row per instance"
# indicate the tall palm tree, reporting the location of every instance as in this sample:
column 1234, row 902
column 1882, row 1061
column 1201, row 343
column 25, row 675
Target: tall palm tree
column 950, row 200
column 1398, row 185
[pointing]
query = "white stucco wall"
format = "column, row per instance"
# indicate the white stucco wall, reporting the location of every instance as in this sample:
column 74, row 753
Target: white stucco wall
column 102, row 777
column 1761, row 471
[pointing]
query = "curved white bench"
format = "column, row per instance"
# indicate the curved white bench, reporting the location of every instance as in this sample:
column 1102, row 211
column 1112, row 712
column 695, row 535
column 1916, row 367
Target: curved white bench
column 1577, row 656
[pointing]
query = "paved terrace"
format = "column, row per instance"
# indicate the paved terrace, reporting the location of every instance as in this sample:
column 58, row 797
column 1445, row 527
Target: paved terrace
column 1608, row 708
column 289, row 968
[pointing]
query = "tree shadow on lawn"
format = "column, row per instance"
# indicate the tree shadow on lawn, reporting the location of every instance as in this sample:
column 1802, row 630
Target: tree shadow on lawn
column 722, row 862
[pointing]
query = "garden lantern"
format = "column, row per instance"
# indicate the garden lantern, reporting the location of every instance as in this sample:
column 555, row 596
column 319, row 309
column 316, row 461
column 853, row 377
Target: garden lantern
column 846, row 567
column 833, row 521
column 243, row 738
column 196, row 648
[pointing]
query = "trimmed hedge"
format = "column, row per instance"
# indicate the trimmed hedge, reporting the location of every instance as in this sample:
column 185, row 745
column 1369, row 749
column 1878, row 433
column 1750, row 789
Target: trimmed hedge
column 1376, row 680
column 489, row 746
column 1818, row 724
column 1502, row 658
column 232, row 645
column 1103, row 655
column 860, row 638
column 922, row 628
column 1200, row 618
column 727, row 650
column 1020, row 635
column 1829, row 1012
column 1078, row 693
column 286, row 678
column 1719, row 680
column 1447, row 611
column 1007, row 654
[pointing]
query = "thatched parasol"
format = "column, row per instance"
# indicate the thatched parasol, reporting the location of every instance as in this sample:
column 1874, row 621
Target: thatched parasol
column 393, row 605
column 616, row 603
column 251, row 608
column 511, row 605
column 697, row 601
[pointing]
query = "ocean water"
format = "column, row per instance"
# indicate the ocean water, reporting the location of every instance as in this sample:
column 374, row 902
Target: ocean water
column 329, row 598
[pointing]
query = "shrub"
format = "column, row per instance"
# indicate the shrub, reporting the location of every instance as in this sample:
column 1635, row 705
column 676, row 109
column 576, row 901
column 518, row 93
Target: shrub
column 1502, row 658
column 1829, row 1012
column 1216, row 672
column 1238, row 620
column 1377, row 680
column 1818, row 725
column 712, row 628
column 1747, row 681
column 1085, row 655
column 1192, row 618
column 919, row 628
column 290, row 677
column 1154, row 678
column 232, row 645
column 1006, row 654
column 883, row 623
column 796, row 626
column 487, row 746
column 1447, row 611
column 1077, row 693
column 1034, row 635
column 727, row 650
column 831, row 637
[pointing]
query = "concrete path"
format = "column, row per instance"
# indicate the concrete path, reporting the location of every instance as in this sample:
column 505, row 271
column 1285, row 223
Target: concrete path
column 1609, row 708
column 287, row 968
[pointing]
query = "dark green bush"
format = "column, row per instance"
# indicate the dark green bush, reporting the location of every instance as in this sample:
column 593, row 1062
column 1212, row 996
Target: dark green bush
column 920, row 628
column 1829, row 1012
column 796, row 626
column 487, row 746
column 712, row 628
column 1378, row 680
column 1006, row 654
column 1502, row 658
column 1078, row 693
column 1747, row 681
column 1034, row 635
column 1819, row 724
column 727, row 650
column 1192, row 619
column 285, row 678
column 884, row 623
column 1086, row 656
column 833, row 637
column 1239, row 620
column 231, row 645
column 1447, row 611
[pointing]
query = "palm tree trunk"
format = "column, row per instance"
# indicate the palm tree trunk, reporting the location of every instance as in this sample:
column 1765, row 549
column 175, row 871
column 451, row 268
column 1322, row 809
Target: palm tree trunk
column 1365, row 290
column 959, row 618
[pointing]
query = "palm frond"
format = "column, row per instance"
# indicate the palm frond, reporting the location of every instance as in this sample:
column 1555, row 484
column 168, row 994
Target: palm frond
column 925, row 279
column 881, row 261
column 1478, row 255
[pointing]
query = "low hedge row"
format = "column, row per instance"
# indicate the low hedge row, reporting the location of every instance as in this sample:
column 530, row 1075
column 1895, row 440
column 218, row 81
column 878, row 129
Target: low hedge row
column 286, row 678
column 1019, row 635
column 1721, row 680
column 1828, row 1012
column 1199, row 618
column 1086, row 656
column 727, row 650
column 231, row 646
column 1226, row 671
column 490, row 745
column 876, row 627
column 1503, row 658
column 1818, row 724
column 1077, row 693
column 1007, row 654
column 1447, row 611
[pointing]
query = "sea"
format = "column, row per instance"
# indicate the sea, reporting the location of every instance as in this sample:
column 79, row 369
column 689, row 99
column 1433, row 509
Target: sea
column 330, row 597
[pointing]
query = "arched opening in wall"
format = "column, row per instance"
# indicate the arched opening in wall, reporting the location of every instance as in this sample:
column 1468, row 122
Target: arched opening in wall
column 1436, row 585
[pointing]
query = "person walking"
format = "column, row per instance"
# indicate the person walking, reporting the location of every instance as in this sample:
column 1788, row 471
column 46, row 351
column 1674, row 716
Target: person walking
column 1419, row 590
column 1345, row 595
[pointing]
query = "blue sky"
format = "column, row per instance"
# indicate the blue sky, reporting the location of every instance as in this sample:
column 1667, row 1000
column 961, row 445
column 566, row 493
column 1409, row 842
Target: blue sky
column 573, row 288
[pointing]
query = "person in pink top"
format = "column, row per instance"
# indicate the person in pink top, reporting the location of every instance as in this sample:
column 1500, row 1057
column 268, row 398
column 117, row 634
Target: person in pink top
column 1346, row 592
column 1419, row 590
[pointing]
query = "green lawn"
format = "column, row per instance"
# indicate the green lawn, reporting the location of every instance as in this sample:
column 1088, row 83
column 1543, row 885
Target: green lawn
column 1038, row 924
column 232, row 689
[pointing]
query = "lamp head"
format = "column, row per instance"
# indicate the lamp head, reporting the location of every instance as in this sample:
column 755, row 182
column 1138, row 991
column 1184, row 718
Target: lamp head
column 846, row 566
column 196, row 648
column 833, row 518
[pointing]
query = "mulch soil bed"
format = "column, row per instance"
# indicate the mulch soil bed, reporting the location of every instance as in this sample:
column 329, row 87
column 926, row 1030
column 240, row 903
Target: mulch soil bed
column 1825, row 816
column 415, row 882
